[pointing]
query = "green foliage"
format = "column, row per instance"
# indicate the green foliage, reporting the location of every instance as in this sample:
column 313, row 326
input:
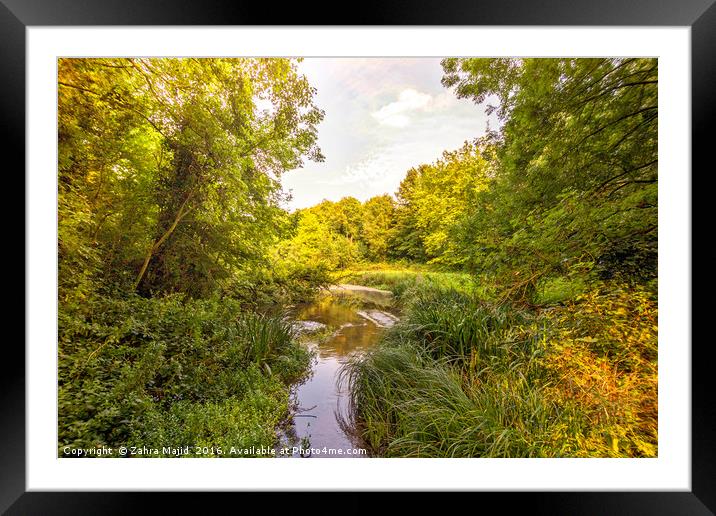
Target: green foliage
column 405, row 242
column 575, row 182
column 248, row 422
column 527, row 275
column 461, row 378
column 169, row 168
column 431, row 200
column 168, row 182
column 560, row 289
column 133, row 369
column 378, row 215
column 417, row 226
column 336, row 235
column 546, row 360
column 316, row 243
column 410, row 405
column 281, row 283
column 407, row 281
column 459, row 327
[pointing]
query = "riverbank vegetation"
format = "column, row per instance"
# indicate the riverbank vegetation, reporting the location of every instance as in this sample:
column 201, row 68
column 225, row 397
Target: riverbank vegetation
column 169, row 206
column 524, row 263
column 554, row 215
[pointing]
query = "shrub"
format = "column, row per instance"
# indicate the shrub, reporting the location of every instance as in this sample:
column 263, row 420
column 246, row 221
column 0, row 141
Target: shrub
column 125, row 363
column 459, row 377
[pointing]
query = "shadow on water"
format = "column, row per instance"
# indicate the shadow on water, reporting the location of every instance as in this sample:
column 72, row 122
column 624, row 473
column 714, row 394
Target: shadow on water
column 346, row 328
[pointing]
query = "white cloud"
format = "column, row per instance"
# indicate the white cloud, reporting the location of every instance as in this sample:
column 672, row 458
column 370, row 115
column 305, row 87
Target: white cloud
column 395, row 113
column 395, row 120
column 365, row 171
column 365, row 101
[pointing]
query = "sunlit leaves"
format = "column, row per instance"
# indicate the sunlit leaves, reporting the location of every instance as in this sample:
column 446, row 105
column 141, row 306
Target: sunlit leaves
column 176, row 163
column 576, row 168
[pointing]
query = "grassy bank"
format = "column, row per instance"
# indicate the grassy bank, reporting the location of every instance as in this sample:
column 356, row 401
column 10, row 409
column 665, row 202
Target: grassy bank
column 401, row 279
column 462, row 376
column 173, row 372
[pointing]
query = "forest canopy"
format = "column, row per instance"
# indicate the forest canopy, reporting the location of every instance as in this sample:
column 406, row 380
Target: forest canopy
column 169, row 169
column 567, row 186
column 169, row 176
column 523, row 263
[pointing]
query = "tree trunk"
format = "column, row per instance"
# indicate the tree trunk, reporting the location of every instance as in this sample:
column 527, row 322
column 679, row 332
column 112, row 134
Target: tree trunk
column 153, row 249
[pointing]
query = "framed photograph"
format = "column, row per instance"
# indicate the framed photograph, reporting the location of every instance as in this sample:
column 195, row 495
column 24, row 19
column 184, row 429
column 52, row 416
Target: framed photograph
column 454, row 242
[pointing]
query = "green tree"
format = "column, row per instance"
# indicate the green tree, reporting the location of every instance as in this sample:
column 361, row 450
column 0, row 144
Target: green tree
column 404, row 241
column 446, row 190
column 316, row 244
column 173, row 165
column 576, row 182
column 378, row 218
column 348, row 217
column 432, row 200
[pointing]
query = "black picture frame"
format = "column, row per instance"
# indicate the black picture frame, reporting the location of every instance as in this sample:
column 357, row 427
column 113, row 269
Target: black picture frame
column 700, row 15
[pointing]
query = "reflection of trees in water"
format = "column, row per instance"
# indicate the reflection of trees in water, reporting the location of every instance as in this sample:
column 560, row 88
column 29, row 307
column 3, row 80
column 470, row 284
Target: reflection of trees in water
column 349, row 339
column 351, row 335
column 287, row 435
column 351, row 331
column 345, row 413
column 329, row 313
column 341, row 308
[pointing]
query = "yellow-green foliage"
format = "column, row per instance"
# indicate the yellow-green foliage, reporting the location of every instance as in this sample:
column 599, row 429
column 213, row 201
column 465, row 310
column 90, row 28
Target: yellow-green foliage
column 314, row 244
column 400, row 280
column 446, row 189
column 461, row 377
column 167, row 168
column 432, row 199
column 602, row 356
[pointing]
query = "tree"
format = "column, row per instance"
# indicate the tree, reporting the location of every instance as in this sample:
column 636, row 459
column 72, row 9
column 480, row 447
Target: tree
column 432, row 200
column 315, row 242
column 189, row 153
column 576, row 184
column 348, row 217
column 378, row 217
column 404, row 240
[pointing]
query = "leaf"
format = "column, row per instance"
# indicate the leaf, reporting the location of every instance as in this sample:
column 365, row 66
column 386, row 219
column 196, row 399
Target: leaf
column 586, row 339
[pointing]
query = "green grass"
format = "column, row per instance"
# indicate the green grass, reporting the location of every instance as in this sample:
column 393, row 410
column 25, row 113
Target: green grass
column 405, row 280
column 463, row 377
column 559, row 289
column 459, row 326
column 407, row 404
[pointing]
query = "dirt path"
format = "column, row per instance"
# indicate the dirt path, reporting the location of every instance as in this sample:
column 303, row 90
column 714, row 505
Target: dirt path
column 343, row 287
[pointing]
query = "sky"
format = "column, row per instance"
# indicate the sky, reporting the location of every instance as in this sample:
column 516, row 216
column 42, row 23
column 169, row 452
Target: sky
column 382, row 117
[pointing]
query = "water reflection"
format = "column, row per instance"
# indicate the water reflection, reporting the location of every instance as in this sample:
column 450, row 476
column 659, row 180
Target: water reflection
column 319, row 401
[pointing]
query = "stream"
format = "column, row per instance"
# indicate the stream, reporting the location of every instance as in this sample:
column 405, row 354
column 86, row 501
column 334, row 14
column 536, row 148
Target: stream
column 335, row 330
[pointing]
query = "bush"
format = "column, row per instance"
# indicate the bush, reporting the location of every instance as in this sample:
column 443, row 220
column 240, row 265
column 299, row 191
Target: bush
column 458, row 377
column 603, row 358
column 283, row 284
column 124, row 364
column 242, row 422
column 459, row 327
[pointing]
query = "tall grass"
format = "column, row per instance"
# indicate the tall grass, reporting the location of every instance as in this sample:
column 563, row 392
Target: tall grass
column 403, row 282
column 408, row 404
column 457, row 326
column 459, row 377
column 263, row 336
